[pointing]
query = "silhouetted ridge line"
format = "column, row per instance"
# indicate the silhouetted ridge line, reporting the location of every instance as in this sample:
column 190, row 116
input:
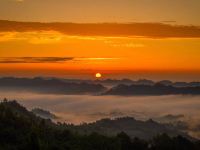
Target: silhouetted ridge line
column 156, row 89
column 51, row 86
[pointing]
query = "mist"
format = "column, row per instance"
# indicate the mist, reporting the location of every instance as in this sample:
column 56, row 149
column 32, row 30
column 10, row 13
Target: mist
column 83, row 108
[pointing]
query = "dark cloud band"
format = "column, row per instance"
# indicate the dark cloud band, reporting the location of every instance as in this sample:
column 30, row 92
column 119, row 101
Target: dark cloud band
column 151, row 30
column 7, row 60
column 35, row 59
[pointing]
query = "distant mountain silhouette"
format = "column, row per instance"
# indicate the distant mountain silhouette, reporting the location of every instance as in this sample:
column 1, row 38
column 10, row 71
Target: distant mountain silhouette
column 97, row 87
column 156, row 89
column 124, row 81
column 166, row 82
column 115, row 82
column 52, row 86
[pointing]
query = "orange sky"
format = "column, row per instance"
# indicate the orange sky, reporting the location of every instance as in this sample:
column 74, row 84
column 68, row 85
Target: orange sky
column 29, row 53
column 170, row 11
column 141, row 39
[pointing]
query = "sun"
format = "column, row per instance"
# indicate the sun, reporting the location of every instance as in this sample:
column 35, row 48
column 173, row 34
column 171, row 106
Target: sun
column 98, row 75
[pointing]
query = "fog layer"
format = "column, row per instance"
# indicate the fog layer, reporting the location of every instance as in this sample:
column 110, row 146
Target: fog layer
column 78, row 108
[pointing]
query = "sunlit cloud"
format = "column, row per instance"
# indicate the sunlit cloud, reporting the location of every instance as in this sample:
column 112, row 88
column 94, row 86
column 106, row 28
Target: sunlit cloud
column 45, row 39
column 84, row 38
column 37, row 37
column 7, row 36
column 128, row 45
column 52, row 37
column 97, row 59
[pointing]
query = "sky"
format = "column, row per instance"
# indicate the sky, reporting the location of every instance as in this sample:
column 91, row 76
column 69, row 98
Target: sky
column 156, row 39
column 179, row 11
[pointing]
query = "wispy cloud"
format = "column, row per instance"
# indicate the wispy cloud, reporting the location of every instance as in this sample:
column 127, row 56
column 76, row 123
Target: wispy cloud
column 97, row 58
column 37, row 37
column 168, row 21
column 128, row 45
column 9, row 60
column 35, row 59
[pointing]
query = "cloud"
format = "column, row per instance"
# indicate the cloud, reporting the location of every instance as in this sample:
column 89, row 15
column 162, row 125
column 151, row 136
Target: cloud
column 16, row 60
column 168, row 21
column 97, row 59
column 37, row 37
column 151, row 30
column 35, row 59
column 128, row 45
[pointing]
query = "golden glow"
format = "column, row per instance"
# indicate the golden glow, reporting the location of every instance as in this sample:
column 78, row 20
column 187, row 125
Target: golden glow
column 98, row 53
column 98, row 75
column 144, row 37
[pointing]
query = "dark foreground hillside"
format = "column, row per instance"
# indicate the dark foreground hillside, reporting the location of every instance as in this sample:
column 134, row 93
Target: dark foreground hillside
column 22, row 130
column 132, row 127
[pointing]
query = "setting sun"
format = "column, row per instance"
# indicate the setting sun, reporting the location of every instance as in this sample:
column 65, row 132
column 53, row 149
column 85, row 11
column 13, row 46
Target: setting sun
column 98, row 75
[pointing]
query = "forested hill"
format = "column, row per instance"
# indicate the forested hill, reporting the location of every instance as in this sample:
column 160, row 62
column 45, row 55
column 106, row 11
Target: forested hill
column 98, row 87
column 49, row 86
column 20, row 129
column 156, row 89
column 132, row 127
